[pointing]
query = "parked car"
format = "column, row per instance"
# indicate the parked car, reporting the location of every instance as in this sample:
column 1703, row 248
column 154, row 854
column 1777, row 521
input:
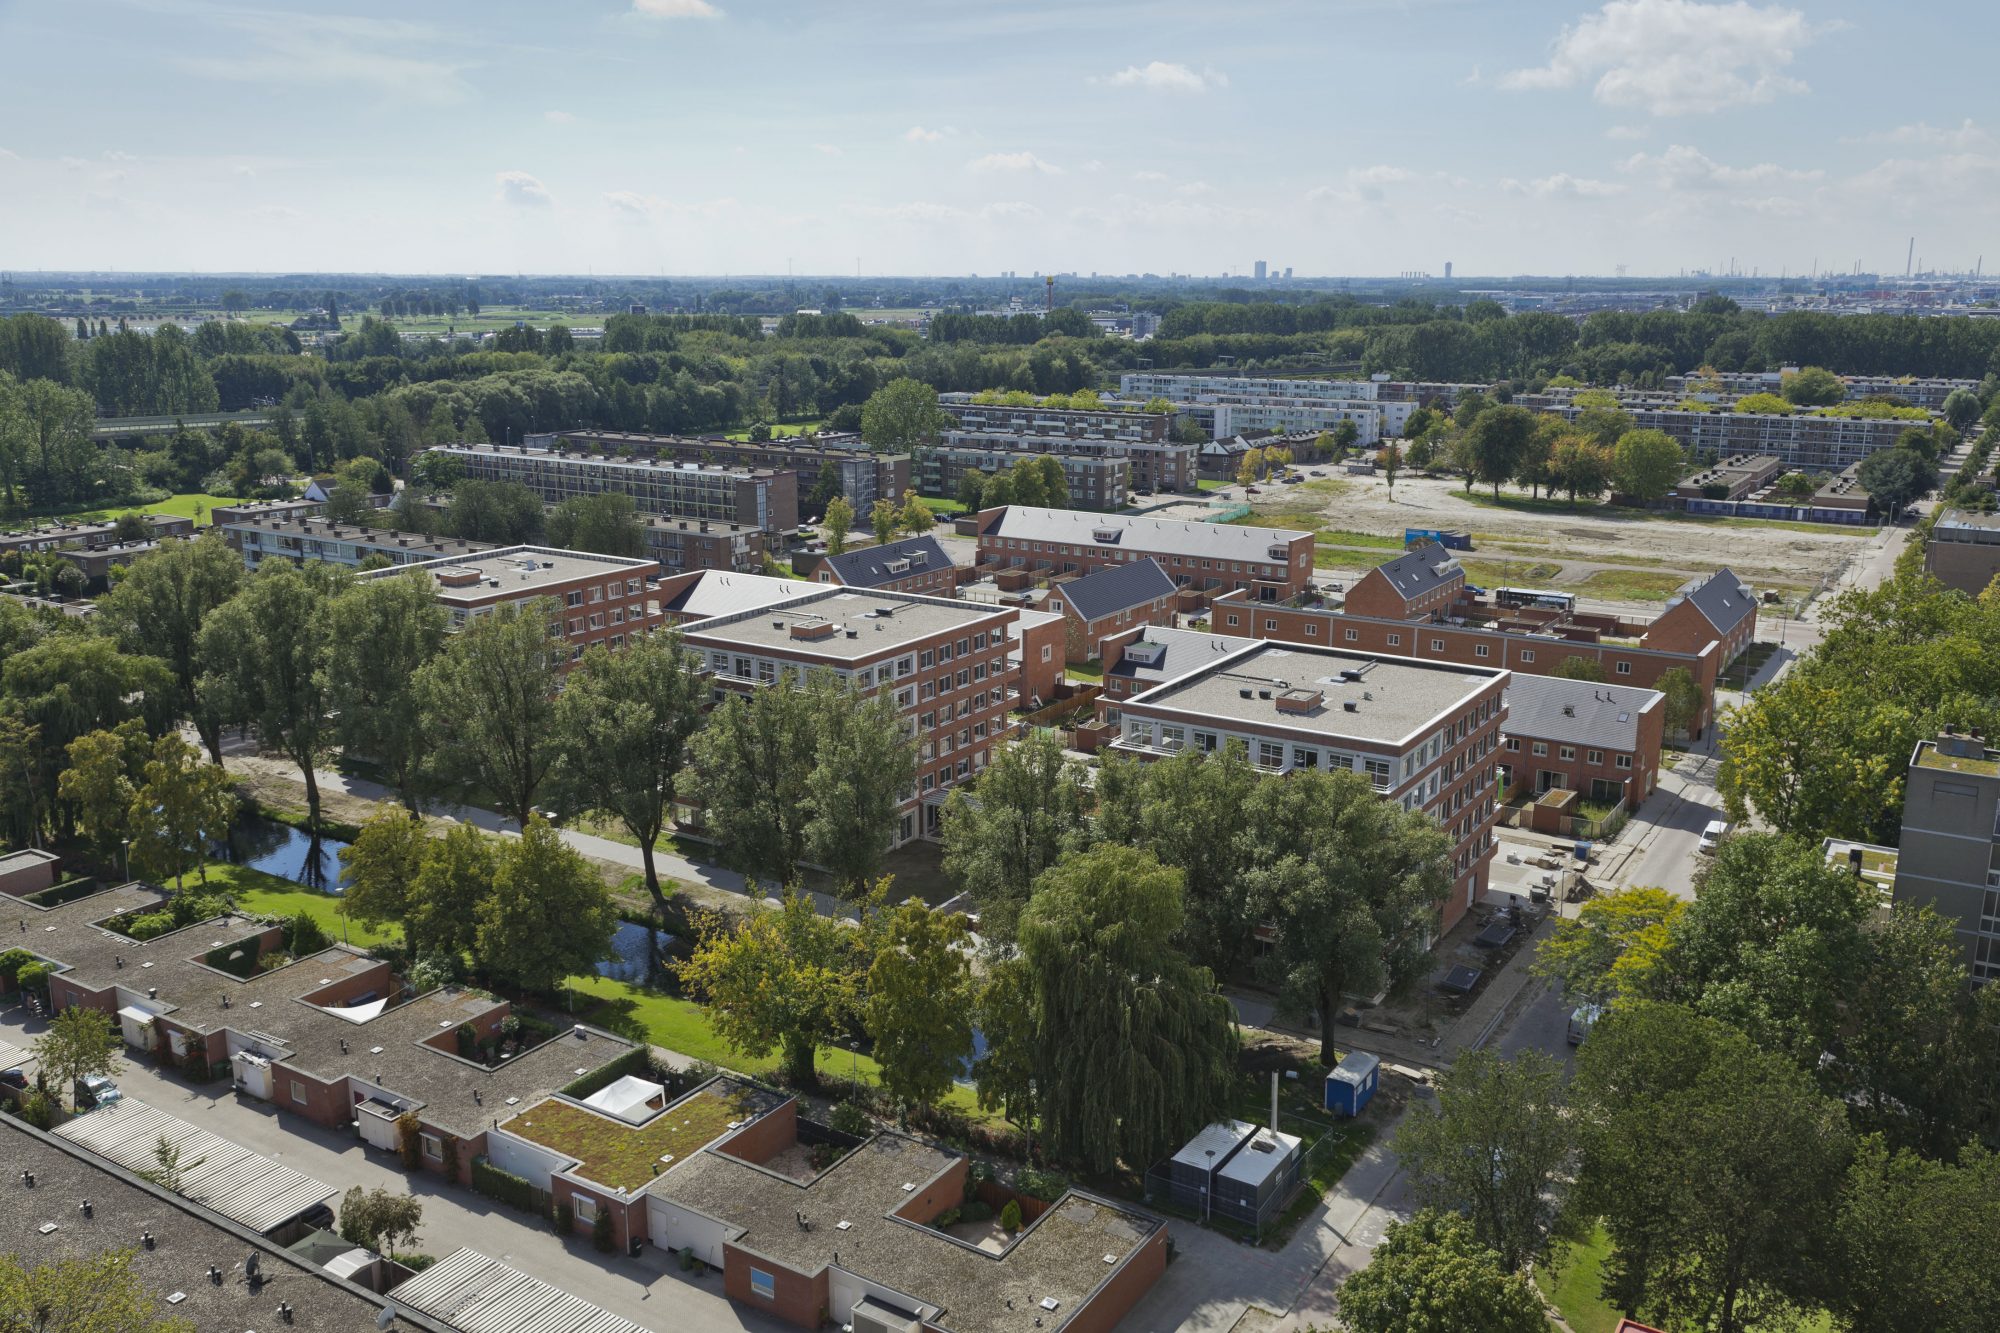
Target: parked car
column 1712, row 835
column 94, row 1090
column 1581, row 1020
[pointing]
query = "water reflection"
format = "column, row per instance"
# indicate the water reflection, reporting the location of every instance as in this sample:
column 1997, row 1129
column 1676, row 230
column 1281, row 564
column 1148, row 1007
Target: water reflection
column 638, row 955
column 289, row 853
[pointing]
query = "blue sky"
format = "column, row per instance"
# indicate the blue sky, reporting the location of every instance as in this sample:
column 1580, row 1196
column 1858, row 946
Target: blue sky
column 953, row 136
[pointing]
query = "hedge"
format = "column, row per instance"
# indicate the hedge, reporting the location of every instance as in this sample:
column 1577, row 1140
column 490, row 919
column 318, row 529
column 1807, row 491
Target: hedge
column 67, row 891
column 508, row 1188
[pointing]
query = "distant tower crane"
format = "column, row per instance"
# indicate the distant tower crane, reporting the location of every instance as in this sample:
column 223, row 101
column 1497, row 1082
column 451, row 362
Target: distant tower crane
column 1049, row 293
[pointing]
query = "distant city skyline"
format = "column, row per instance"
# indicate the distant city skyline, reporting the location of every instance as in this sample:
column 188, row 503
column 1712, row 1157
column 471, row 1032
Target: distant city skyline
column 707, row 137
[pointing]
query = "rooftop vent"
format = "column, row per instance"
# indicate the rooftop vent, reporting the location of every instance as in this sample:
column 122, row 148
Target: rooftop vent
column 814, row 630
column 1348, row 705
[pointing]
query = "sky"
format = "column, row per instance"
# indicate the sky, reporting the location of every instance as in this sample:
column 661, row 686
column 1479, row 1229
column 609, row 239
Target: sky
column 1365, row 137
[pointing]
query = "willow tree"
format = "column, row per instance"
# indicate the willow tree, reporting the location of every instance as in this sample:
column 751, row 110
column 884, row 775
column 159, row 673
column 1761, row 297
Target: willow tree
column 1132, row 1045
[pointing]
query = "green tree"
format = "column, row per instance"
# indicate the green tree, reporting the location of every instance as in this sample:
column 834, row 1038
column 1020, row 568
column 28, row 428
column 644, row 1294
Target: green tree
column 549, row 915
column 505, row 512
column 915, row 517
column 159, row 607
column 488, row 701
column 1812, row 387
column 70, row 684
column 1612, row 946
column 623, row 721
column 883, row 518
column 902, row 416
column 265, row 653
column 1096, row 939
column 1357, row 893
column 378, row 1219
column 1895, row 477
column 1026, row 811
column 455, row 878
column 606, row 523
column 184, row 807
column 786, row 980
column 1496, row 1149
column 1913, row 1235
column 1645, row 464
column 1390, row 456
column 1961, row 408
column 838, row 523
column 1682, row 704
column 1158, row 406
column 384, row 632
column 1575, row 667
column 101, row 1293
column 1345, row 433
column 1429, row 1275
column 863, row 767
column 1716, row 1166
column 1581, row 466
column 381, row 867
column 920, row 1002
column 76, row 1043
column 105, row 768
column 1497, row 439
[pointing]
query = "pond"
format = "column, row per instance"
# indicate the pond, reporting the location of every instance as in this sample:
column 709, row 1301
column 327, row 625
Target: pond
column 638, row 955
column 289, row 853
column 978, row 1054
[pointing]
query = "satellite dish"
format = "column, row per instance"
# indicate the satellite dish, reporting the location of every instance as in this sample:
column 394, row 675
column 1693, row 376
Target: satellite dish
column 386, row 1317
column 250, row 1265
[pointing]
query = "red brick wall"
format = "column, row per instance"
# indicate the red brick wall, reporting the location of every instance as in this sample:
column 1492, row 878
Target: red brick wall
column 1039, row 678
column 947, row 1191
column 344, row 991
column 1083, row 640
column 329, row 1104
column 1115, row 1299
column 796, row 1299
column 1579, row 773
column 627, row 1219
column 765, row 1137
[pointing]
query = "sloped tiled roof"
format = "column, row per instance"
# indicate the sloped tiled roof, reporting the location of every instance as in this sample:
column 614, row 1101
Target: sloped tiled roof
column 1722, row 598
column 1421, row 571
column 1118, row 588
column 876, row 566
column 1602, row 717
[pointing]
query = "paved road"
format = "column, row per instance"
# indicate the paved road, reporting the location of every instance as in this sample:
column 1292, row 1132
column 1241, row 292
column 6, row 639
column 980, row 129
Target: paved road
column 650, row 1290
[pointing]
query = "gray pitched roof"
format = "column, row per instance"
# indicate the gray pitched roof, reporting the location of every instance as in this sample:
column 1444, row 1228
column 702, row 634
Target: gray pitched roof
column 1172, row 536
column 1118, row 588
column 870, row 566
column 1420, row 571
column 1576, row 712
column 1162, row 654
column 1722, row 598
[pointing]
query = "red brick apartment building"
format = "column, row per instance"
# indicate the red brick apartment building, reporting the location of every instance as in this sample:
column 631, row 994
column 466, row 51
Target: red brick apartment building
column 1114, row 600
column 1602, row 741
column 1418, row 605
column 335, row 1037
column 947, row 663
column 1425, row 734
column 1265, row 564
column 602, row 598
column 914, row 564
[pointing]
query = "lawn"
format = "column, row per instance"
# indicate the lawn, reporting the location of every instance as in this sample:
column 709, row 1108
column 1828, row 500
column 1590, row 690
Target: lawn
column 1207, row 485
column 1629, row 585
column 181, row 506
column 268, row 895
column 1572, row 1278
column 945, row 508
column 1090, row 673
column 805, row 426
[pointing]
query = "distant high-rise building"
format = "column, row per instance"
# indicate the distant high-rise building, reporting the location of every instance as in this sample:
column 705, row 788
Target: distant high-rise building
column 1288, row 273
column 1447, row 270
column 1262, row 271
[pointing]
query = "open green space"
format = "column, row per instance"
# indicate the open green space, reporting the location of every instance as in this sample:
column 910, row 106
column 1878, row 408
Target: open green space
column 1628, row 585
column 1572, row 1281
column 946, row 508
column 269, row 895
column 1207, row 485
column 180, row 506
column 803, row 426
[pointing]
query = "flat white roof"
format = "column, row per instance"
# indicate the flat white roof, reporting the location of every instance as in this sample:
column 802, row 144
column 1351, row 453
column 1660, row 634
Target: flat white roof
column 1261, row 1158
column 1219, row 1138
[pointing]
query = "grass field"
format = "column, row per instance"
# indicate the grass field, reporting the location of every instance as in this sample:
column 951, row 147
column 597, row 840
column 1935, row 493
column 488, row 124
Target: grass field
column 808, row 426
column 181, row 506
column 267, row 894
column 1206, row 485
column 1628, row 585
column 1571, row 1281
column 944, row 508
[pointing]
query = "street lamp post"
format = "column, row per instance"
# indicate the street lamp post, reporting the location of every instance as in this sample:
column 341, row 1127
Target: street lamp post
column 125, row 858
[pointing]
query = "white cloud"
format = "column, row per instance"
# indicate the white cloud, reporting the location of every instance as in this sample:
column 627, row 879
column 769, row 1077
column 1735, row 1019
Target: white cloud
column 828, row 149
column 929, row 212
column 1969, row 134
column 1193, row 188
column 1021, row 161
column 1563, row 185
column 520, row 190
column 1676, row 57
column 1151, row 177
column 9, row 155
column 676, row 9
column 293, row 50
column 1362, row 185
column 918, row 134
column 559, row 117
column 1681, row 167
column 632, row 204
column 1165, row 77
column 1625, row 132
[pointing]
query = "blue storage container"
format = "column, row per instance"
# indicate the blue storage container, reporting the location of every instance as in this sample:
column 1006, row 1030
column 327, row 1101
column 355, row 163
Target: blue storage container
column 1351, row 1085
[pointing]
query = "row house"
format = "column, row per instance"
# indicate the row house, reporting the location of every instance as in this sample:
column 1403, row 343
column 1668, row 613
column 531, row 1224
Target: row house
column 1266, row 564
column 864, row 475
column 1099, row 482
column 1151, row 465
column 759, row 498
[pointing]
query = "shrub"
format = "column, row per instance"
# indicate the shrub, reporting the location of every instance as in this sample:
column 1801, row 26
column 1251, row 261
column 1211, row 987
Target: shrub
column 468, row 1040
column 147, row 925
column 449, row 1159
column 416, row 1263
column 976, row 1211
column 565, row 1219
column 508, row 1188
column 634, row 1061
column 600, row 1230
column 1010, row 1216
column 1048, row 1186
column 948, row 1217
column 12, row 962
column 850, row 1119
column 303, row 935
column 409, row 1141
column 239, row 960
column 195, row 1065
column 37, row 1109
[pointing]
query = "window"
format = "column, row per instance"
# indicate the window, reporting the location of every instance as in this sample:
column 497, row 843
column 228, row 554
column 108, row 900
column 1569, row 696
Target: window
column 1624, row 668
column 1567, row 753
column 1232, row 618
column 1270, row 625
column 1395, row 641
column 1481, row 650
column 298, row 1092
column 1541, row 749
column 584, row 1208
column 1350, row 635
column 433, row 1147
column 1624, row 761
column 763, row 1284
column 1437, row 645
column 1594, row 756
column 1270, row 754
column 1528, row 655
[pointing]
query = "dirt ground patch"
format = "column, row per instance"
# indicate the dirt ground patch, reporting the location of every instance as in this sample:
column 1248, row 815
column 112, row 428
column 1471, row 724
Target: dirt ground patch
column 1578, row 544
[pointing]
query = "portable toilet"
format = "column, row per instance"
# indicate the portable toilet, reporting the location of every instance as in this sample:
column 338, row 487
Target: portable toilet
column 1352, row 1083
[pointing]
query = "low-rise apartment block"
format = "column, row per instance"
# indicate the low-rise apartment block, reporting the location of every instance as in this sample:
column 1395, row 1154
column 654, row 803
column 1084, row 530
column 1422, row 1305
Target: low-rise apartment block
column 865, row 475
column 1430, row 613
column 683, row 544
column 84, row 536
column 1425, row 734
column 249, row 509
column 598, row 598
column 1798, row 440
column 763, row 499
column 913, row 565
column 946, row 663
column 1963, row 550
column 1950, row 846
column 1099, row 482
column 1152, row 465
column 300, row 539
column 1600, row 741
column 1266, row 564
column 1928, row 394
column 1229, row 404
column 1106, row 423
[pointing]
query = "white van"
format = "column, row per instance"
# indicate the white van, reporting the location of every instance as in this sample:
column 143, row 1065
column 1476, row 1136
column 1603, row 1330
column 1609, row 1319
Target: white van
column 1712, row 835
column 1581, row 1020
